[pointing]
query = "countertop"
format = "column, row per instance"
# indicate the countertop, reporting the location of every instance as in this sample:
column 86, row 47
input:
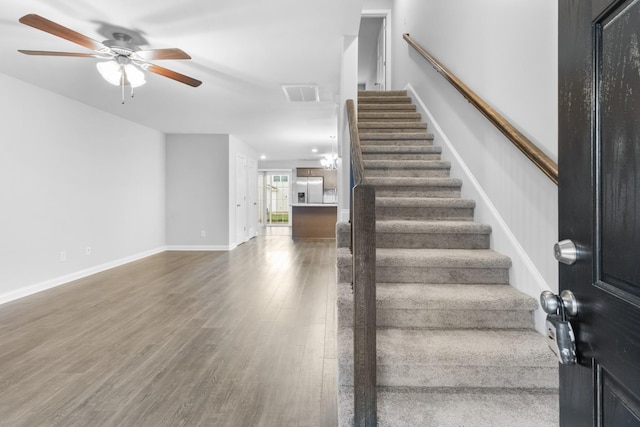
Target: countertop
column 314, row 205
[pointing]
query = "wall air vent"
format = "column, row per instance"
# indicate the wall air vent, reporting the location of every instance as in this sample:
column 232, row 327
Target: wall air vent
column 301, row 93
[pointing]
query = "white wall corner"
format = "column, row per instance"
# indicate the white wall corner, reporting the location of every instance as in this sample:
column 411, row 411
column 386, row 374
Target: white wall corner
column 58, row 281
column 524, row 275
column 344, row 215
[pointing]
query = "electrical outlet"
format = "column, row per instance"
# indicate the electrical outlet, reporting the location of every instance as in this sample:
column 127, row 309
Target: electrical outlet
column 63, row 256
column 203, row 233
column 88, row 250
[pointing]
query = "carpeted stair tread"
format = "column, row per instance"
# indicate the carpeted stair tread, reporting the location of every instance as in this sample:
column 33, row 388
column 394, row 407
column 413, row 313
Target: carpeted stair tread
column 386, row 107
column 363, row 93
column 412, row 182
column 407, row 168
column 462, row 234
column 406, row 164
column 464, row 407
column 423, row 208
column 431, row 227
column 458, row 258
column 453, row 297
column 451, row 348
column 384, row 99
column 456, row 297
column 444, row 306
column 401, row 152
column 388, row 115
column 401, row 149
column 372, row 136
column 380, row 126
column 424, row 202
column 426, row 258
column 446, row 358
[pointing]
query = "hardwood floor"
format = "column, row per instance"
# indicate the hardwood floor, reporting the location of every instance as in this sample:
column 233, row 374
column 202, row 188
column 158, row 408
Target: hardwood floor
column 240, row 338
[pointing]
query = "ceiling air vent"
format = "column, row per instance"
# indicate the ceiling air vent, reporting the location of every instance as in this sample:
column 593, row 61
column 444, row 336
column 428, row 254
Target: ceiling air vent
column 301, row 93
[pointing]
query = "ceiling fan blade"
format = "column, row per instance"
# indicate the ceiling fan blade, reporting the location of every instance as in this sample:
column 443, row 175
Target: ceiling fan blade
column 158, row 54
column 173, row 75
column 49, row 53
column 43, row 24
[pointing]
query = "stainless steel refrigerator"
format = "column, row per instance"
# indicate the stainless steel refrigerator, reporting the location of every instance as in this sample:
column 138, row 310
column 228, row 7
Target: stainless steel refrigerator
column 309, row 189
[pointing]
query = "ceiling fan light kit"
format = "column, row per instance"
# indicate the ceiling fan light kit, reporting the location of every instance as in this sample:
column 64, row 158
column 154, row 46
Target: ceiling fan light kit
column 114, row 72
column 125, row 61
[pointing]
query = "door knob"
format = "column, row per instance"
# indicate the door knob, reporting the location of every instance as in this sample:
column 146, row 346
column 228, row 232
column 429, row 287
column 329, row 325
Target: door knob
column 559, row 332
column 566, row 252
column 550, row 302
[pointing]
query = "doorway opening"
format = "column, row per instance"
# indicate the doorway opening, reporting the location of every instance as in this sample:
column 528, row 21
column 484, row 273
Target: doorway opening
column 274, row 190
column 373, row 47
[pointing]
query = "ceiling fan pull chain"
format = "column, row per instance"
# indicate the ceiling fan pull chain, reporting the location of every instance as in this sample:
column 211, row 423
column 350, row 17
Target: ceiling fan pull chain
column 132, row 91
column 122, row 84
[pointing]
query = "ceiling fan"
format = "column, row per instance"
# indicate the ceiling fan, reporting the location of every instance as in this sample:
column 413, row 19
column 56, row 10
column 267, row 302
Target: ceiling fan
column 124, row 61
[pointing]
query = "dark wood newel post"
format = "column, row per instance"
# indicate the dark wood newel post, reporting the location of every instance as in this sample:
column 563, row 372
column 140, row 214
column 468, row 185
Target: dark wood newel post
column 364, row 300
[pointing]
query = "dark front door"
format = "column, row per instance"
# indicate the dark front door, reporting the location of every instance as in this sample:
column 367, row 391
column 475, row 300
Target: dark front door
column 599, row 202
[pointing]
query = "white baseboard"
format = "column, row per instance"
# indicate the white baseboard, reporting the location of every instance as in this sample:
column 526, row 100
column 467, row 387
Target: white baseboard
column 52, row 283
column 524, row 275
column 200, row 247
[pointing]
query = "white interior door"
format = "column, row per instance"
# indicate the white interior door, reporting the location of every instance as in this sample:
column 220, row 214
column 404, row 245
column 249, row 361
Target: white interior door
column 241, row 199
column 381, row 60
column 252, row 197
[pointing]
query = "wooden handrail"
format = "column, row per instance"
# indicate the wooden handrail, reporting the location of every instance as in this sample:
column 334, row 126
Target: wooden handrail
column 528, row 148
column 356, row 152
column 363, row 248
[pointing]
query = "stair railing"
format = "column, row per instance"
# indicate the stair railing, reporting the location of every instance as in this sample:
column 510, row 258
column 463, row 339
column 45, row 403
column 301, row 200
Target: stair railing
column 363, row 248
column 528, row 148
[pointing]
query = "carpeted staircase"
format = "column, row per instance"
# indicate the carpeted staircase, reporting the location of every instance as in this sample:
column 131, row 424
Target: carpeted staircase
column 455, row 342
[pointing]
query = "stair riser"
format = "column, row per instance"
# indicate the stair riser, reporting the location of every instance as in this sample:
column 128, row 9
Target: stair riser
column 386, row 108
column 343, row 239
column 396, row 133
column 407, row 173
column 367, row 93
column 414, row 191
column 396, row 142
column 402, row 156
column 403, row 274
column 441, row 240
column 432, row 240
column 422, row 213
column 389, row 117
column 394, row 130
column 393, row 134
column 459, row 376
column 365, row 124
column 441, row 319
column 363, row 100
column 433, row 275
column 433, row 408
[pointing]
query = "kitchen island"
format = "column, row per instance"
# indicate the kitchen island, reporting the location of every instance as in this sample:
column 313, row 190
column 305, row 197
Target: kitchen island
column 314, row 220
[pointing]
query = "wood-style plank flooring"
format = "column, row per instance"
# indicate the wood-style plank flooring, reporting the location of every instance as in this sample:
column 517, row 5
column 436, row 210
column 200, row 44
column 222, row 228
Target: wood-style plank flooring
column 239, row 338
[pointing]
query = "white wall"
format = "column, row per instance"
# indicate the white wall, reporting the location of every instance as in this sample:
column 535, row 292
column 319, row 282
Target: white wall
column 348, row 90
column 197, row 191
column 71, row 177
column 288, row 164
column 505, row 51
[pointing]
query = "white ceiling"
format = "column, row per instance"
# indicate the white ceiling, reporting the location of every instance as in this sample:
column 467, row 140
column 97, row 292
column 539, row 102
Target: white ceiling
column 242, row 50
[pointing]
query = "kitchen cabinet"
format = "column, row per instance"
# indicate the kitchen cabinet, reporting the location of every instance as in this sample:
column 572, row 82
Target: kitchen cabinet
column 330, row 176
column 316, row 221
